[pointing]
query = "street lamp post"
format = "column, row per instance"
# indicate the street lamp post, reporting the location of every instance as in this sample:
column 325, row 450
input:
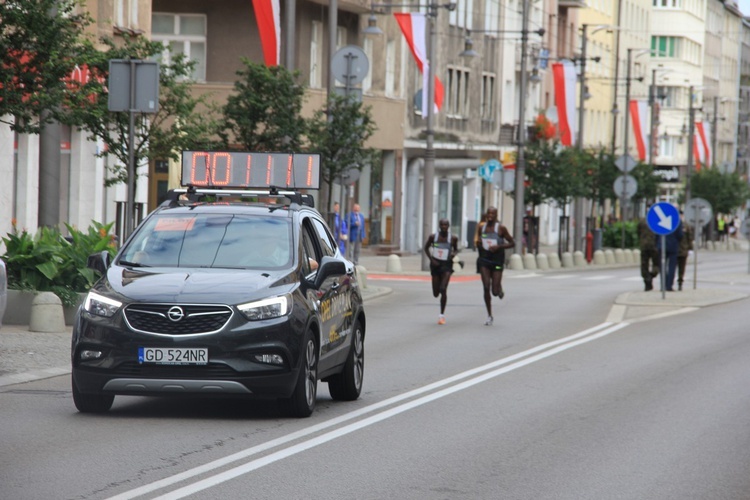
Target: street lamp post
column 578, row 208
column 519, row 204
column 690, row 143
column 626, row 146
column 429, row 154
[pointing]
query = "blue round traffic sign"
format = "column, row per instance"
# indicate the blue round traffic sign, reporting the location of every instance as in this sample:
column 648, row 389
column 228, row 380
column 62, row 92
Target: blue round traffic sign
column 663, row 218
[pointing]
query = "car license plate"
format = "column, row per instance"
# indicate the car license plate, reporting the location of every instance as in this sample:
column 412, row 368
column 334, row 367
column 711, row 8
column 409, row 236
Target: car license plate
column 173, row 355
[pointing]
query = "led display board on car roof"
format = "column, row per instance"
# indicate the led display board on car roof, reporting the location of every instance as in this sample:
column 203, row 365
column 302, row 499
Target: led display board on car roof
column 240, row 169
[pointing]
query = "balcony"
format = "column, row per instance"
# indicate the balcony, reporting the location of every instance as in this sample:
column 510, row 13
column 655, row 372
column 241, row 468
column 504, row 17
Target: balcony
column 572, row 4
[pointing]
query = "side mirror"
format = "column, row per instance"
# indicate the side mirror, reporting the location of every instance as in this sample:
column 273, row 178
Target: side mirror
column 99, row 261
column 329, row 266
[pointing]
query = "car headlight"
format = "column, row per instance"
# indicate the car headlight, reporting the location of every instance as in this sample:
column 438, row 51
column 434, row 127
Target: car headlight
column 266, row 308
column 101, row 305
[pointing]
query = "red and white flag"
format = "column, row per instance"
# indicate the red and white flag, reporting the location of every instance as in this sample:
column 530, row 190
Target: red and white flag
column 564, row 76
column 413, row 25
column 638, row 114
column 269, row 26
column 702, row 146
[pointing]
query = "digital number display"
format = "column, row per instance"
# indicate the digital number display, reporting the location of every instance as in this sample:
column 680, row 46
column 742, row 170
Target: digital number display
column 234, row 169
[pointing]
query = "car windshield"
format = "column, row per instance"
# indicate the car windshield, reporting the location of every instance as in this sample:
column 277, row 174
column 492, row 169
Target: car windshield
column 211, row 240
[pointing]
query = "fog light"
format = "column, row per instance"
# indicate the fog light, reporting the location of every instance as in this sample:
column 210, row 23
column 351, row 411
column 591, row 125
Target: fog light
column 270, row 359
column 87, row 355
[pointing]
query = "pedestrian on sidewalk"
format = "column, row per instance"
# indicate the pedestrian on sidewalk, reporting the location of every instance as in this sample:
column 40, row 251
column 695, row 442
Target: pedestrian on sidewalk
column 671, row 247
column 357, row 233
column 649, row 255
column 339, row 229
column 441, row 248
column 685, row 250
column 494, row 239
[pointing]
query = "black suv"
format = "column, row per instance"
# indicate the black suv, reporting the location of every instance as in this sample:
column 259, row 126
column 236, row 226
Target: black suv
column 242, row 295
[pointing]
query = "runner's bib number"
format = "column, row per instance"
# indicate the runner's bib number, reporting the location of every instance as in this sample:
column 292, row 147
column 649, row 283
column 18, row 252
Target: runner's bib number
column 441, row 253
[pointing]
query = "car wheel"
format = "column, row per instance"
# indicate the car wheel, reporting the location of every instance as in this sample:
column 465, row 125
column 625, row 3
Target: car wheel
column 347, row 385
column 302, row 402
column 91, row 403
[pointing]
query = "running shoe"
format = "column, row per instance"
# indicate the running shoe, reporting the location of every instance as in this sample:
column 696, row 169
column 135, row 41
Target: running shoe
column 489, row 321
column 441, row 320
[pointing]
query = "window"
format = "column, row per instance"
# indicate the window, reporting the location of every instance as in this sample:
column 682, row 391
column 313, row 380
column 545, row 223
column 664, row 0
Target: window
column 327, row 244
column 316, row 55
column 668, row 4
column 487, row 104
column 665, row 46
column 126, row 13
column 668, row 96
column 667, row 146
column 367, row 82
column 457, row 92
column 492, row 15
column 390, row 69
column 182, row 34
column 462, row 15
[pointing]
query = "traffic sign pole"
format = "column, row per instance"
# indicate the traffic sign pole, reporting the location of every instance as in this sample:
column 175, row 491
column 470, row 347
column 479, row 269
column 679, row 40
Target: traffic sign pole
column 663, row 272
column 663, row 219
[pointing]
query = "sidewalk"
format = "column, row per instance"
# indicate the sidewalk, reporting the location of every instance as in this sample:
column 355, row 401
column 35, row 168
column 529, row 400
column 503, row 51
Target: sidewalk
column 26, row 356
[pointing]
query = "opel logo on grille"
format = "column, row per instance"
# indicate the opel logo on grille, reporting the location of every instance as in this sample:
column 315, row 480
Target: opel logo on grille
column 175, row 313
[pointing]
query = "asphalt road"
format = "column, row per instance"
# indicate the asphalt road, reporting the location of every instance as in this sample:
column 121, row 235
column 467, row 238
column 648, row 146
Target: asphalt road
column 561, row 398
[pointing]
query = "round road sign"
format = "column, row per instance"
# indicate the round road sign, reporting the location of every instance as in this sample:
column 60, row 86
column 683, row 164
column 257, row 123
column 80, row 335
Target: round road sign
column 745, row 229
column 663, row 218
column 625, row 185
column 698, row 212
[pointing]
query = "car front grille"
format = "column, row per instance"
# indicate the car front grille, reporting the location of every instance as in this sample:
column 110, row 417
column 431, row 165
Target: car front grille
column 214, row 371
column 177, row 319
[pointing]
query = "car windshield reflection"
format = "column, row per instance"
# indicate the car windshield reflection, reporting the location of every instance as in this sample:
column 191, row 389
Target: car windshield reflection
column 211, row 241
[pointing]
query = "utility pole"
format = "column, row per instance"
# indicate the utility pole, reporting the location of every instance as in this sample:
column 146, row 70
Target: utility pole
column 714, row 132
column 691, row 146
column 578, row 205
column 429, row 153
column 520, row 158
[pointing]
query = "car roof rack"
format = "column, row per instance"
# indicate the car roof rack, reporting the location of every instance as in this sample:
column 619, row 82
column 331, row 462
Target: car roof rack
column 192, row 194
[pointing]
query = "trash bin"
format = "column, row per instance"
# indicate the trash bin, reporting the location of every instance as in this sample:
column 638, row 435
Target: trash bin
column 374, row 234
column 597, row 239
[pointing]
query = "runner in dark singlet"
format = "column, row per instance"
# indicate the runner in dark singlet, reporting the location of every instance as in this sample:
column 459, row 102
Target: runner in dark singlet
column 440, row 248
column 494, row 238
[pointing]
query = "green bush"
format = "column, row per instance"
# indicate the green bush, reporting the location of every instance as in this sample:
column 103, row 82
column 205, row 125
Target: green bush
column 612, row 235
column 47, row 262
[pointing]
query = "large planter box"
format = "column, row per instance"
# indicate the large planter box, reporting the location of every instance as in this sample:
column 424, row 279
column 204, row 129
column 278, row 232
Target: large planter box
column 18, row 310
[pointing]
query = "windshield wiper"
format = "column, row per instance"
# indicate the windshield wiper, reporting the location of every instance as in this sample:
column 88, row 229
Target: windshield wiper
column 131, row 264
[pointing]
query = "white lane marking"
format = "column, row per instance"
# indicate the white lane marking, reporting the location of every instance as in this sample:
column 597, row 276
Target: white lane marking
column 560, row 276
column 664, row 314
column 598, row 278
column 330, row 436
column 168, row 481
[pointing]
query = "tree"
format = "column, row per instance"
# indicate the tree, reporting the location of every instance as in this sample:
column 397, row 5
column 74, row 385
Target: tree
column 39, row 42
column 182, row 121
column 265, row 113
column 648, row 183
column 339, row 133
column 725, row 192
column 603, row 178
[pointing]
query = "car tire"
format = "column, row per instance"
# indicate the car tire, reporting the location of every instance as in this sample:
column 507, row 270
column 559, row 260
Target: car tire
column 347, row 385
column 302, row 402
column 91, row 403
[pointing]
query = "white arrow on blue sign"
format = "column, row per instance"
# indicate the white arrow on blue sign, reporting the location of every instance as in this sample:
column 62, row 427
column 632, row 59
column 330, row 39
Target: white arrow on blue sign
column 663, row 218
column 487, row 168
